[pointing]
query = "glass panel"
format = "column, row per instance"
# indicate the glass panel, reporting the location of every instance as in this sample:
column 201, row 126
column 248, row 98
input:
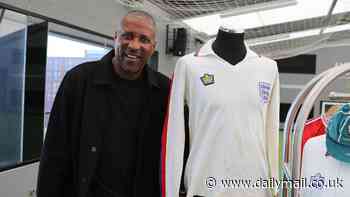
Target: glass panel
column 63, row 54
column 33, row 61
column 12, row 76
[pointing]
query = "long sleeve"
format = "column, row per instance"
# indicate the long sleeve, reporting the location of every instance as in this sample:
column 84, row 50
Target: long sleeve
column 272, row 131
column 55, row 171
column 173, row 139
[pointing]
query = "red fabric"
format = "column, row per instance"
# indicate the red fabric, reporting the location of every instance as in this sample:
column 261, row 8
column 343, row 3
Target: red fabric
column 313, row 128
column 164, row 143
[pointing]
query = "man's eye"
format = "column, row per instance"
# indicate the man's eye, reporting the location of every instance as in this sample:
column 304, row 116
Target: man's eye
column 145, row 40
column 127, row 36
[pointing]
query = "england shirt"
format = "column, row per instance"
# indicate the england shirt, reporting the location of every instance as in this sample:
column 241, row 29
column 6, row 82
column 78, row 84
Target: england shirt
column 233, row 123
column 324, row 175
column 313, row 128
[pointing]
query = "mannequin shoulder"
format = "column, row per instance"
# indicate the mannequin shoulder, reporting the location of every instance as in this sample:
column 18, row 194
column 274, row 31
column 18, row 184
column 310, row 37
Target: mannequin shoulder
column 267, row 60
column 264, row 63
column 187, row 59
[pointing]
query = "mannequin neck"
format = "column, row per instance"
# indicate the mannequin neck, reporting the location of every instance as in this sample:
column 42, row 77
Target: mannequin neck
column 230, row 46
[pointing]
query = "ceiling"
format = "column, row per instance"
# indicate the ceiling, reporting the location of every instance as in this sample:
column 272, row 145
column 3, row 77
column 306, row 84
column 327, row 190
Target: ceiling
column 275, row 28
column 183, row 9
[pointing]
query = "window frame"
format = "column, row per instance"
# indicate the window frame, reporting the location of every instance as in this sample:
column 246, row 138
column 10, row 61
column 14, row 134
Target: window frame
column 32, row 154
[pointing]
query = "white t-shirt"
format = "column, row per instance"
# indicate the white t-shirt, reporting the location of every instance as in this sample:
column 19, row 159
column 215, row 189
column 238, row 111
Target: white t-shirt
column 233, row 121
column 317, row 165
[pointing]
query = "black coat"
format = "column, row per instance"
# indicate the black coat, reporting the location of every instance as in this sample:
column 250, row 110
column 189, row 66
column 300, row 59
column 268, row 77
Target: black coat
column 81, row 111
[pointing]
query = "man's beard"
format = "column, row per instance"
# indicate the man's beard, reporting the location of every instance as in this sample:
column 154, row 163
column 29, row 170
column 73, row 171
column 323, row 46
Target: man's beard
column 128, row 62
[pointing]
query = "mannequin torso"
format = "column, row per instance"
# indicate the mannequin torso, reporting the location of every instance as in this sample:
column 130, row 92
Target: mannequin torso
column 229, row 45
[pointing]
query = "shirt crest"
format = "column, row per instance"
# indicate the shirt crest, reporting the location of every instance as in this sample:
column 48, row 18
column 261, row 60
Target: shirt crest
column 264, row 91
column 207, row 79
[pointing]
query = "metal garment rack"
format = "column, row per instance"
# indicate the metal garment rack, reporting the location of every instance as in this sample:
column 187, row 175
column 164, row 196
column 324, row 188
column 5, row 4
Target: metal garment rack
column 295, row 121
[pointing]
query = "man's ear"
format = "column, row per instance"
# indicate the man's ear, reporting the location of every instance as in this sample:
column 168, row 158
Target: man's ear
column 154, row 45
column 115, row 35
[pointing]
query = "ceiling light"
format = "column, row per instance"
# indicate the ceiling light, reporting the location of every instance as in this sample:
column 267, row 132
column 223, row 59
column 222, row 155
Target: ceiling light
column 304, row 9
column 283, row 37
column 337, row 28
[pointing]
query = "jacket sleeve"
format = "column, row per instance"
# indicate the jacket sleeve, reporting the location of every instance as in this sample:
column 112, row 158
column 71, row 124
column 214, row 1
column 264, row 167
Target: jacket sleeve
column 173, row 138
column 55, row 169
column 272, row 131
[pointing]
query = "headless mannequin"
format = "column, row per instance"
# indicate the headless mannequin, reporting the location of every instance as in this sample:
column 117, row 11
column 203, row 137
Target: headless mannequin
column 229, row 45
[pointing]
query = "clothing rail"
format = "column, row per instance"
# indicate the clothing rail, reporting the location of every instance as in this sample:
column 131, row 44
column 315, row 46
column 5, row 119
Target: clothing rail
column 296, row 121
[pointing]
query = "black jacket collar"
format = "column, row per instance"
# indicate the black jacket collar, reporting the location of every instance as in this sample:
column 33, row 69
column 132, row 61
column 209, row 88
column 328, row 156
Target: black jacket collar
column 103, row 75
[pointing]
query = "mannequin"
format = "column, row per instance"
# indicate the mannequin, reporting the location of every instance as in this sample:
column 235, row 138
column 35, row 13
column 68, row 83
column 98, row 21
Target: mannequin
column 229, row 45
column 226, row 131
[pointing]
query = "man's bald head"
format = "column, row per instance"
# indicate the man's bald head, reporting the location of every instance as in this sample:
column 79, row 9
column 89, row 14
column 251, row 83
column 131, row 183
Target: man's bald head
column 135, row 44
column 141, row 14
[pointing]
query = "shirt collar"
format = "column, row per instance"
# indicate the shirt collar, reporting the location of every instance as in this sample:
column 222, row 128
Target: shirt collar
column 103, row 75
column 206, row 50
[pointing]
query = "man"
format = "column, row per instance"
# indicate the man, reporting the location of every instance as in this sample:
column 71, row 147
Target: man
column 104, row 133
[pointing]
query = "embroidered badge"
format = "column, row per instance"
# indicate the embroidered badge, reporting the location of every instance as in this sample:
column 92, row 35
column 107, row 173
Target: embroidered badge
column 264, row 91
column 207, row 79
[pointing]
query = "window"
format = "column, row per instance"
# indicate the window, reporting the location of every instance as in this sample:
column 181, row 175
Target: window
column 64, row 53
column 12, row 68
column 33, row 64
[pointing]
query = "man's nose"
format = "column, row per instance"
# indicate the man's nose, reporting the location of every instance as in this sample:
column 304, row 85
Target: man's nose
column 134, row 44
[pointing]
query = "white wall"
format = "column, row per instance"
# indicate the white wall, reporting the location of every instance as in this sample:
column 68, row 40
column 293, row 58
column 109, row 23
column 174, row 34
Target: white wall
column 100, row 16
column 166, row 62
column 326, row 58
column 19, row 182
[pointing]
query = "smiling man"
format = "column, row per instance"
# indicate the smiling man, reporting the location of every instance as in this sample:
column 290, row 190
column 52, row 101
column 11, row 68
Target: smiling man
column 104, row 132
column 134, row 44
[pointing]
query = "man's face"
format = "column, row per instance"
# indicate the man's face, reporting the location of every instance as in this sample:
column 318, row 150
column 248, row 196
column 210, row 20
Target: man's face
column 135, row 44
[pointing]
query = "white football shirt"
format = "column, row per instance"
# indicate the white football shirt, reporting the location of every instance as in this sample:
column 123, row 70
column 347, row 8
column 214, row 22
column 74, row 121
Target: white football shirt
column 233, row 121
column 317, row 165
